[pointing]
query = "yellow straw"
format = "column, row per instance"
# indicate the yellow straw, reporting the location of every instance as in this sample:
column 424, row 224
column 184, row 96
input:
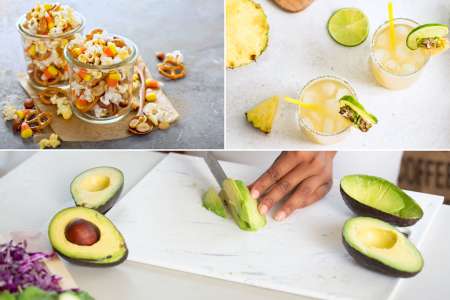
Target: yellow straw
column 391, row 24
column 312, row 106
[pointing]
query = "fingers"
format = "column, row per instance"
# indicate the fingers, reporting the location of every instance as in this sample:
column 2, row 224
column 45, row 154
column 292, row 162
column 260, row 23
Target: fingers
column 285, row 185
column 282, row 165
column 309, row 191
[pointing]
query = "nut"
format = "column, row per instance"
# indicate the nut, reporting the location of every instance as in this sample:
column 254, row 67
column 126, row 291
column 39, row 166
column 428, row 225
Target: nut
column 28, row 103
column 82, row 232
column 160, row 56
column 143, row 127
column 16, row 124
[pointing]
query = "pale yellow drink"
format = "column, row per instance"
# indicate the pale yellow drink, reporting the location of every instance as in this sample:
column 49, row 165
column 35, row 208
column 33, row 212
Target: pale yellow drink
column 396, row 67
column 322, row 123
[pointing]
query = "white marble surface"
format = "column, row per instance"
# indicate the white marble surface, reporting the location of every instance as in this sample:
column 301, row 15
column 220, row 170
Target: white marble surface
column 300, row 49
column 138, row 281
column 303, row 255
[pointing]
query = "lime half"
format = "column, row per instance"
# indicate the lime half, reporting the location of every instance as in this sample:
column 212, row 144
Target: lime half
column 348, row 26
column 427, row 31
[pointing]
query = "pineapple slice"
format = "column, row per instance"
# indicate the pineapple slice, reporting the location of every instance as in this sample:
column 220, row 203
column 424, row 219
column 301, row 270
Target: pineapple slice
column 247, row 32
column 263, row 114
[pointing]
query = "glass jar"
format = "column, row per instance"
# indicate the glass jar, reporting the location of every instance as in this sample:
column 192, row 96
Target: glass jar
column 90, row 87
column 44, row 55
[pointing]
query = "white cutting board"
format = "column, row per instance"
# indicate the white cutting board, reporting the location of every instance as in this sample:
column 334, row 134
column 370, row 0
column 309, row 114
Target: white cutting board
column 165, row 224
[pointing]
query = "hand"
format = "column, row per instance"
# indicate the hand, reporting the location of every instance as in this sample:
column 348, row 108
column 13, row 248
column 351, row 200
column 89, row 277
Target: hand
column 308, row 175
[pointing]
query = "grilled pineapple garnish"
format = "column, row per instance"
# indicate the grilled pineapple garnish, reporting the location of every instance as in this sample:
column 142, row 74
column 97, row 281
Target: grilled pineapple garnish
column 262, row 115
column 247, row 32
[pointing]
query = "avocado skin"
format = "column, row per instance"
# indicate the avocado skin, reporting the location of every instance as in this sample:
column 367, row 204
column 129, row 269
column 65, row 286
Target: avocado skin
column 92, row 263
column 375, row 265
column 364, row 210
column 110, row 203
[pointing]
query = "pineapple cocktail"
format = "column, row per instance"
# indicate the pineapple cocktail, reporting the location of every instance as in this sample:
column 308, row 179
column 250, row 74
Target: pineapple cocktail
column 319, row 116
column 396, row 66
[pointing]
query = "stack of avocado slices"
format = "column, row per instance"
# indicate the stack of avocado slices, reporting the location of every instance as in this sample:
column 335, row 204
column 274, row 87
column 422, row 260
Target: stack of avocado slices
column 83, row 234
column 371, row 239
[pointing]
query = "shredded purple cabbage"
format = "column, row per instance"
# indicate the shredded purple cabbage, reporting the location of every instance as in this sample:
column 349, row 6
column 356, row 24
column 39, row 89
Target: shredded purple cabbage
column 20, row 269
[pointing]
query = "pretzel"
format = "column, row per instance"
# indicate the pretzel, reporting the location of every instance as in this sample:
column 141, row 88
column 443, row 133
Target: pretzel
column 140, row 125
column 37, row 78
column 88, row 107
column 49, row 92
column 38, row 120
column 172, row 71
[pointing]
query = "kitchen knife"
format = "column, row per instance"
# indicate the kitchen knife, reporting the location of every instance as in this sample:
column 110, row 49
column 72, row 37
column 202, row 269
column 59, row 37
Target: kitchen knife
column 215, row 167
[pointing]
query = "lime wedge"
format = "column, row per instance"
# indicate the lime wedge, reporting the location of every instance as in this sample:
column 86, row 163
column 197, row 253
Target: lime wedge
column 431, row 33
column 352, row 110
column 348, row 26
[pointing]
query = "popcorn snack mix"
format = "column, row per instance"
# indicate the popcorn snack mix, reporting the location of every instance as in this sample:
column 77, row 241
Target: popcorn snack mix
column 46, row 29
column 101, row 76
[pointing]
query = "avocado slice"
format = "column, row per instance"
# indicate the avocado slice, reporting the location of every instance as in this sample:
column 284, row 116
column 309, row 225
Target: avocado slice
column 72, row 295
column 376, row 197
column 85, row 236
column 378, row 246
column 7, row 296
column 97, row 188
column 243, row 208
column 35, row 293
column 211, row 201
column 354, row 111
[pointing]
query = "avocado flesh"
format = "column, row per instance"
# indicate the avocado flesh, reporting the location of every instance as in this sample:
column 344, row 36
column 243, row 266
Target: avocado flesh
column 109, row 250
column 212, row 202
column 378, row 246
column 243, row 208
column 98, row 188
column 376, row 197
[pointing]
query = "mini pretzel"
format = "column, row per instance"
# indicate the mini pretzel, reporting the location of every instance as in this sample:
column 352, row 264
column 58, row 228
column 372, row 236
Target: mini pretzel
column 90, row 106
column 37, row 78
column 49, row 92
column 172, row 71
column 38, row 120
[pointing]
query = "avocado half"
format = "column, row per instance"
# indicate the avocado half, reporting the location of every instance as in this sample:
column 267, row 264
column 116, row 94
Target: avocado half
column 97, row 188
column 376, row 197
column 84, row 236
column 378, row 246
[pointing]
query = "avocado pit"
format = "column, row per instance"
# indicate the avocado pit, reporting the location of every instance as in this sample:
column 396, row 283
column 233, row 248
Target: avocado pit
column 82, row 232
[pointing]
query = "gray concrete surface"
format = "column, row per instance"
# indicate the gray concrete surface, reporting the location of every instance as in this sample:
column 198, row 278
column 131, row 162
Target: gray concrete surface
column 193, row 26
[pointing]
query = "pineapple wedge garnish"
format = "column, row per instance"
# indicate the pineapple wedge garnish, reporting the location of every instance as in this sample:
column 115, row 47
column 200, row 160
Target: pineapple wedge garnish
column 263, row 114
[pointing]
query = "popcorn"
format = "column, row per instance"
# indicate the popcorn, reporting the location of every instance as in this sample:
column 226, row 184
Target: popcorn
column 8, row 111
column 51, row 142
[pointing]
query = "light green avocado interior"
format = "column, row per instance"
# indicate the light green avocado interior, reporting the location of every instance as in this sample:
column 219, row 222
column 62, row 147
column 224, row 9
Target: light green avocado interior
column 212, row 202
column 95, row 187
column 242, row 206
column 108, row 249
column 379, row 240
column 382, row 195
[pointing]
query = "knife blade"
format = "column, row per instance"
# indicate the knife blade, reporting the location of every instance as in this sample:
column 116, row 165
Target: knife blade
column 214, row 167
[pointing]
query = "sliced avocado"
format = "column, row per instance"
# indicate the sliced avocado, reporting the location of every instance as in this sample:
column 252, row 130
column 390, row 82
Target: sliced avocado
column 211, row 201
column 98, row 188
column 242, row 206
column 376, row 197
column 380, row 247
column 352, row 110
column 86, row 237
column 262, row 115
column 428, row 36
